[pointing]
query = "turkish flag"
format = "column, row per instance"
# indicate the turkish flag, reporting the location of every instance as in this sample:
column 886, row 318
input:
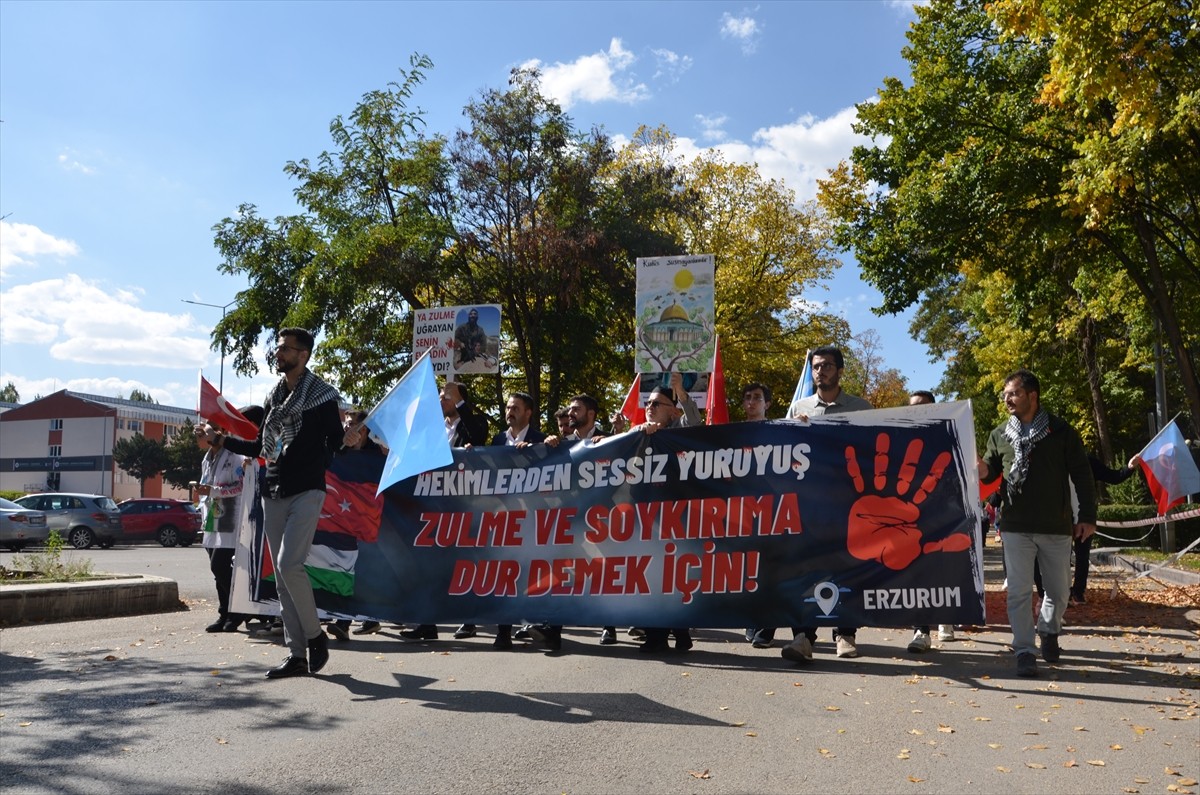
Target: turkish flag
column 717, row 410
column 633, row 409
column 216, row 410
column 351, row 508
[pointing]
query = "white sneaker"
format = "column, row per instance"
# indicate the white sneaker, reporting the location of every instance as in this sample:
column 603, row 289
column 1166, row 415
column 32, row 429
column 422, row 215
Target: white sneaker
column 919, row 644
column 846, row 647
column 945, row 632
column 799, row 650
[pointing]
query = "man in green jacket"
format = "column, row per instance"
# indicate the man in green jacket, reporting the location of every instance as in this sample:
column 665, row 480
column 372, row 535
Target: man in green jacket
column 1039, row 456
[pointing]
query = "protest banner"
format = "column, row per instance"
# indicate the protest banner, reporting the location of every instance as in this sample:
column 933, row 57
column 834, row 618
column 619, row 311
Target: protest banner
column 869, row 518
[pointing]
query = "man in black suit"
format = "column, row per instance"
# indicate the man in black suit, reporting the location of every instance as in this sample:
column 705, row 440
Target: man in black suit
column 464, row 427
column 519, row 413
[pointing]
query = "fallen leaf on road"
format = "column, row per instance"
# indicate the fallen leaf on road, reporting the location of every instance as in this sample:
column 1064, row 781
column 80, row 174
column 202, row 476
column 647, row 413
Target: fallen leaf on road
column 1140, row 730
column 26, row 723
column 915, row 780
column 1035, row 748
column 751, row 734
column 904, row 754
column 833, row 709
column 917, row 732
column 995, row 745
column 1035, row 765
column 723, row 709
column 1070, row 763
column 1115, row 747
column 1130, row 789
column 1003, row 769
column 1187, row 782
column 980, row 717
column 797, row 684
column 738, row 723
column 770, row 692
column 699, row 774
column 1096, row 762
column 222, row 741
column 1080, row 729
column 686, row 673
column 944, row 729
column 1141, row 781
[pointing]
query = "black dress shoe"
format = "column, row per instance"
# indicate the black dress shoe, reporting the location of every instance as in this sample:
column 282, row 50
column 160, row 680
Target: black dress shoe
column 291, row 666
column 423, row 632
column 231, row 625
column 656, row 646
column 609, row 636
column 683, row 640
column 216, row 626
column 465, row 631
column 551, row 636
column 524, row 633
column 502, row 643
column 318, row 653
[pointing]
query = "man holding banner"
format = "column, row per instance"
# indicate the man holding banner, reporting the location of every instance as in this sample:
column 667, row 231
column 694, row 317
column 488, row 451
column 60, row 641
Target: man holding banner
column 1039, row 456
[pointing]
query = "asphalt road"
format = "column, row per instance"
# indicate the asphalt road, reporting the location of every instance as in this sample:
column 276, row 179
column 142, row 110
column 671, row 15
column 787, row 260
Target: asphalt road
column 153, row 704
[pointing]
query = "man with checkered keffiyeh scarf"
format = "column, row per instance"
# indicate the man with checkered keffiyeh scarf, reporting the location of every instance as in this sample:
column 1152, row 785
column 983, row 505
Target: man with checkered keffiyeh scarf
column 301, row 431
column 1039, row 456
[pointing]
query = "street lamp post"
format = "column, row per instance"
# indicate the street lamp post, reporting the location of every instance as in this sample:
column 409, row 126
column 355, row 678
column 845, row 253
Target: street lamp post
column 221, row 385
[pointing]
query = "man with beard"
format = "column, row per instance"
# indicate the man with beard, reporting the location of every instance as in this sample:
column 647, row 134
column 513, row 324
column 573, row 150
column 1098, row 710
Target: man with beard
column 581, row 421
column 301, row 430
column 1040, row 456
column 469, row 339
column 829, row 398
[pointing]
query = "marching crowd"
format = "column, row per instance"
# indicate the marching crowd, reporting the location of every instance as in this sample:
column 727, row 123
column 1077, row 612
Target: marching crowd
column 1047, row 499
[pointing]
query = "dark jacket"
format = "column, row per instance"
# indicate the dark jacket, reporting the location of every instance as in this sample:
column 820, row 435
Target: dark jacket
column 302, row 467
column 1043, row 505
column 472, row 427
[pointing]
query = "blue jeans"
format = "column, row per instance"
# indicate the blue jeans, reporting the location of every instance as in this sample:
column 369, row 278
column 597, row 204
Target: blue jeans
column 1052, row 553
column 289, row 524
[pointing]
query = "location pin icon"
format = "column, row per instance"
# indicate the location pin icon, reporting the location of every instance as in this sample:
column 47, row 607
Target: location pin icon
column 826, row 594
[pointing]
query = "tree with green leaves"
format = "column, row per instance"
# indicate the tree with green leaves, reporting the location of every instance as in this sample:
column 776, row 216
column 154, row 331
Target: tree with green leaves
column 976, row 176
column 184, row 457
column 140, row 396
column 141, row 457
column 370, row 244
column 9, row 394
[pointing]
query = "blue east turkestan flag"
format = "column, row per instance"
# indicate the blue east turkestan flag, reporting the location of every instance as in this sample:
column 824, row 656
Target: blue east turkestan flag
column 804, row 387
column 408, row 422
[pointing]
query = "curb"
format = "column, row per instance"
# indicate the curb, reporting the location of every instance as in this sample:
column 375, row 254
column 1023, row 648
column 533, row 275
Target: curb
column 1112, row 557
column 125, row 595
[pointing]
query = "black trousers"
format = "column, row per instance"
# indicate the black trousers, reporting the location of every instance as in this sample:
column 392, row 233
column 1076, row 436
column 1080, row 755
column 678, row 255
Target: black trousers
column 220, row 562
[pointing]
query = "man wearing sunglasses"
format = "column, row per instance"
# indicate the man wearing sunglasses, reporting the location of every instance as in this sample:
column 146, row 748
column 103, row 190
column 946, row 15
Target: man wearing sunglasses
column 662, row 411
column 301, row 430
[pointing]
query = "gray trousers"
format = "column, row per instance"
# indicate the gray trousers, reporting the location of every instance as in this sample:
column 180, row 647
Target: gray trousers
column 290, row 523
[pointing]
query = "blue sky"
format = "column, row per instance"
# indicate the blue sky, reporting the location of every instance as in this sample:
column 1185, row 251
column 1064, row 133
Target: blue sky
column 130, row 129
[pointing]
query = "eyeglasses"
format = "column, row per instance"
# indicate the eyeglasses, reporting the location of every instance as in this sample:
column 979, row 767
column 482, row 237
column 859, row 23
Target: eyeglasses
column 282, row 347
column 825, row 366
column 1014, row 394
column 650, row 403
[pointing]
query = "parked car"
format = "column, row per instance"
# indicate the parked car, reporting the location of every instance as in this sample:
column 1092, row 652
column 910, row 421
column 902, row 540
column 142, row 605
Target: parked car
column 20, row 527
column 169, row 522
column 81, row 519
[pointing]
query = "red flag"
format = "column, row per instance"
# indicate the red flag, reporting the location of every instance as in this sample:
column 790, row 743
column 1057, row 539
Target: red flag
column 214, row 409
column 351, row 508
column 717, row 409
column 633, row 409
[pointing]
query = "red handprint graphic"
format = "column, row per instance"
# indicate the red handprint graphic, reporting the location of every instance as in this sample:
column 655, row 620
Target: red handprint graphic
column 885, row 528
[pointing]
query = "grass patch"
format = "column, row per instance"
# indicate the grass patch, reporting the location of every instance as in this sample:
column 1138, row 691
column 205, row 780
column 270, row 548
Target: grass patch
column 49, row 566
column 1189, row 561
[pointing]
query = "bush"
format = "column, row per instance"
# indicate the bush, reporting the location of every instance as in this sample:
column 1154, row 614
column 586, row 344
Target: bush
column 1186, row 530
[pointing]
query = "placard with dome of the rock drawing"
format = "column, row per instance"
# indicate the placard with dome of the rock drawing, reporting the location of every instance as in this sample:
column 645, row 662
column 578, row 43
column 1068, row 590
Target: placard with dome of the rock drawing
column 675, row 317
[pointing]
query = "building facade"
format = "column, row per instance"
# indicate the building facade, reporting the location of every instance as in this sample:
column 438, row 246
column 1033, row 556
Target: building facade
column 64, row 442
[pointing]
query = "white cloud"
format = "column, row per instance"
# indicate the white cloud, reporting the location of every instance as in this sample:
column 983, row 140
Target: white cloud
column 93, row 325
column 745, row 30
column 69, row 162
column 592, row 78
column 22, row 244
column 671, row 65
column 798, row 153
column 712, row 126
